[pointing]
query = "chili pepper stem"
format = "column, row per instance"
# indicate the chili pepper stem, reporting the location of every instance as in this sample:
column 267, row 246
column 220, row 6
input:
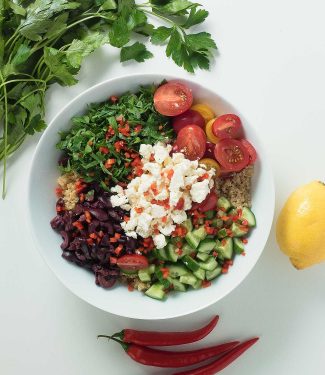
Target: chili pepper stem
column 123, row 344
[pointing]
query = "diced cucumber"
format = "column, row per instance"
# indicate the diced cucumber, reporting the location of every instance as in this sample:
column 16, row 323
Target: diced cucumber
column 177, row 285
column 192, row 240
column 225, row 248
column 248, row 215
column 200, row 233
column 222, row 233
column 187, row 250
column 197, row 285
column 238, row 230
column 128, row 273
column 161, row 279
column 152, row 268
column 209, row 265
column 144, row 275
column 171, row 252
column 202, row 256
column 188, row 279
column 188, row 225
column 210, row 214
column 200, row 274
column 206, row 245
column 175, row 240
column 217, row 223
column 177, row 270
column 210, row 275
column 238, row 246
column 190, row 263
column 156, row 291
column 224, row 203
column 162, row 254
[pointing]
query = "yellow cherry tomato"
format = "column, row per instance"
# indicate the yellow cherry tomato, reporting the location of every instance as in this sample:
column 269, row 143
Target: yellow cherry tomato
column 210, row 163
column 208, row 131
column 204, row 110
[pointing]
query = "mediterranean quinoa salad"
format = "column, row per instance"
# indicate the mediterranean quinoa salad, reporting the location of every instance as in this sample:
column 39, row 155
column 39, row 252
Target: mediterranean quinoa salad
column 154, row 191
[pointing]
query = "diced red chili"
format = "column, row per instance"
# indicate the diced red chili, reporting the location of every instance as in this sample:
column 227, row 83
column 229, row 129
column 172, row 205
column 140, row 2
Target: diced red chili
column 112, row 260
column 138, row 210
column 206, row 283
column 103, row 150
column 170, row 174
column 130, row 288
column 93, row 236
column 118, row 250
column 138, row 128
column 205, row 176
column 88, row 216
column 180, row 204
column 126, row 218
column 179, row 252
column 78, row 225
column 165, row 272
column 164, row 219
column 113, row 99
column 244, row 240
column 109, row 163
column 58, row 191
column 118, row 145
column 152, row 157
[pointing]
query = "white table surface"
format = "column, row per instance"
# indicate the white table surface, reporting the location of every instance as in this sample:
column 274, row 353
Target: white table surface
column 271, row 67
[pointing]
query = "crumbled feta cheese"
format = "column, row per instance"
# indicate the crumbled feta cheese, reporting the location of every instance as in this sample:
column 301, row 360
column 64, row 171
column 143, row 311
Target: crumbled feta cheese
column 199, row 191
column 152, row 197
column 159, row 240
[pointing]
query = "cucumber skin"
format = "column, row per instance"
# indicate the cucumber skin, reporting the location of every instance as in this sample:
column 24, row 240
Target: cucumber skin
column 156, row 292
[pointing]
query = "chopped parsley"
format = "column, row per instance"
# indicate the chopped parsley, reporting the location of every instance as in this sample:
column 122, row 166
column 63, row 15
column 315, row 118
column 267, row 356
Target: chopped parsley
column 102, row 145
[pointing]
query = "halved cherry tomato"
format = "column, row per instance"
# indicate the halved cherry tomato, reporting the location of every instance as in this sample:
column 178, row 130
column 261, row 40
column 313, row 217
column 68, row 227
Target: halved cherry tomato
column 211, row 163
column 209, row 150
column 191, row 141
column 208, row 130
column 205, row 111
column 173, row 98
column 132, row 262
column 209, row 203
column 228, row 126
column 231, row 154
column 251, row 151
column 189, row 117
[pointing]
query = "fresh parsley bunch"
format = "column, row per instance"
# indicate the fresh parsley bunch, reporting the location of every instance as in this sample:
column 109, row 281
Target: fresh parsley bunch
column 45, row 41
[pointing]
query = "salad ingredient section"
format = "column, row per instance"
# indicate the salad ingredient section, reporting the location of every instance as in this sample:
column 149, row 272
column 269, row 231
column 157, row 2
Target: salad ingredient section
column 44, row 42
column 154, row 209
column 137, row 347
column 301, row 226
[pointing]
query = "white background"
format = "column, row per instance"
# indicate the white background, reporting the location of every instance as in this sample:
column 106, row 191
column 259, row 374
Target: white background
column 270, row 65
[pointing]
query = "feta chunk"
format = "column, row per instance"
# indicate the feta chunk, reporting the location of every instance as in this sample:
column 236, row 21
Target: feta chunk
column 159, row 241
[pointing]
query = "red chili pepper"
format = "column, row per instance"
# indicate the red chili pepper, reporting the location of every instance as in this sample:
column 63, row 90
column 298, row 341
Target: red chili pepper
column 222, row 362
column 162, row 358
column 103, row 150
column 149, row 338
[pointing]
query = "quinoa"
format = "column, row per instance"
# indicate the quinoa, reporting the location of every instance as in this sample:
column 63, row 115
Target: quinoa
column 134, row 282
column 237, row 187
column 67, row 182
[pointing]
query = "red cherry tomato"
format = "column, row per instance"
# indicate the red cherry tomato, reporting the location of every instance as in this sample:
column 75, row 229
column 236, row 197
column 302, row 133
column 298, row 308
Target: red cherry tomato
column 189, row 117
column 173, row 99
column 231, row 154
column 132, row 262
column 209, row 203
column 228, row 126
column 251, row 151
column 209, row 150
column 191, row 141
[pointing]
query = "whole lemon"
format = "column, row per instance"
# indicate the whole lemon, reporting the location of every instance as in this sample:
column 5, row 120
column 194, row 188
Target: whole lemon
column 300, row 228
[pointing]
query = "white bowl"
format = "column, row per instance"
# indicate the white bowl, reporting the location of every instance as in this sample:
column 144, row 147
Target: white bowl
column 119, row 300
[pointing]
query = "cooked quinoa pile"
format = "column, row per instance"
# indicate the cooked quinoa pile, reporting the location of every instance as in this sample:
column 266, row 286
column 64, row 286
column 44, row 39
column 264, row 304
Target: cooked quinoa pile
column 237, row 187
column 67, row 182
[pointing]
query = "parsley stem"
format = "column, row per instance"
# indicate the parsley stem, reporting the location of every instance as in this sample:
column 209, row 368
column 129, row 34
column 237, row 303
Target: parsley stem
column 5, row 138
column 19, row 80
column 158, row 15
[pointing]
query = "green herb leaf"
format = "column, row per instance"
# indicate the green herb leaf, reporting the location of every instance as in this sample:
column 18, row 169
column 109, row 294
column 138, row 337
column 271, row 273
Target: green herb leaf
column 200, row 41
column 59, row 69
column 81, row 48
column 137, row 18
column 160, row 35
column 38, row 17
column 120, row 34
column 195, row 17
column 176, row 7
column 136, row 51
column 174, row 43
column 108, row 5
column 17, row 9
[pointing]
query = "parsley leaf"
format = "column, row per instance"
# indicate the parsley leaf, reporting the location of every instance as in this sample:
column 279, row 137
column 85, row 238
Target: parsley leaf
column 195, row 17
column 137, row 52
column 176, row 7
column 58, row 66
column 160, row 35
column 199, row 41
column 81, row 48
column 119, row 34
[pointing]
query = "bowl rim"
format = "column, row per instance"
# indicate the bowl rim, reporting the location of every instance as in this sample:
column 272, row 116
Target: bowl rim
column 154, row 76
